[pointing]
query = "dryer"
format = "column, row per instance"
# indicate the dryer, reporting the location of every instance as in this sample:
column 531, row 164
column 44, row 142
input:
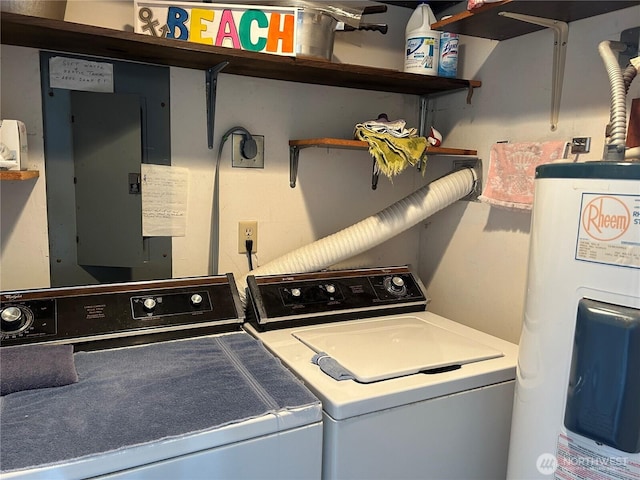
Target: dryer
column 405, row 393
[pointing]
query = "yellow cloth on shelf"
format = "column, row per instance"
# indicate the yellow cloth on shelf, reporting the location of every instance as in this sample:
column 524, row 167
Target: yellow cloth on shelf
column 392, row 154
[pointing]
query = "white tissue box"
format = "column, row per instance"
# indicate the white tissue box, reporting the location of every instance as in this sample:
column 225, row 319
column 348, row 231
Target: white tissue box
column 13, row 144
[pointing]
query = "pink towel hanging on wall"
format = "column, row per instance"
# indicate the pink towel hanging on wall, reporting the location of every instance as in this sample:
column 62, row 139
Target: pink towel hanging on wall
column 511, row 173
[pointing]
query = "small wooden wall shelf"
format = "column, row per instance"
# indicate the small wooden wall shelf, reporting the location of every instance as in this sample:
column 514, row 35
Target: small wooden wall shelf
column 360, row 145
column 485, row 21
column 18, row 174
column 296, row 145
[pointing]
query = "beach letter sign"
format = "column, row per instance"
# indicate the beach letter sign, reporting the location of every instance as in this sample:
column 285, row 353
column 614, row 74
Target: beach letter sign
column 246, row 27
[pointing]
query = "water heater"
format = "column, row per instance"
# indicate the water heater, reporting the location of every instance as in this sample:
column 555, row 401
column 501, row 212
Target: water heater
column 577, row 401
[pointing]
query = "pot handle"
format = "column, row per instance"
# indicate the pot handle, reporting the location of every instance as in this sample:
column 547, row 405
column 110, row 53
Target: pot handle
column 374, row 9
column 380, row 27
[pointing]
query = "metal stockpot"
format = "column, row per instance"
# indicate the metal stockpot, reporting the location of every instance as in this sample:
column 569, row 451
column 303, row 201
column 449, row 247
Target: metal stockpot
column 316, row 33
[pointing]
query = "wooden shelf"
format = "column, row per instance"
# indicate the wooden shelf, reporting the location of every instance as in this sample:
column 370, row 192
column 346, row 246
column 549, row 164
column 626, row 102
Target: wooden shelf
column 57, row 35
column 18, row 174
column 485, row 22
column 360, row 145
column 296, row 145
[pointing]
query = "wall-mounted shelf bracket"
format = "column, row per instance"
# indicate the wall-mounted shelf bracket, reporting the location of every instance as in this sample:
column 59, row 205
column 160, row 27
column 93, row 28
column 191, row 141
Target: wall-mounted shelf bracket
column 425, row 120
column 561, row 36
column 294, row 153
column 211, row 85
column 426, row 116
column 375, row 175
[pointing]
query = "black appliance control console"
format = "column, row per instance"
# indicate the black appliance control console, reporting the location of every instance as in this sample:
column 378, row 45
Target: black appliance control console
column 276, row 301
column 100, row 312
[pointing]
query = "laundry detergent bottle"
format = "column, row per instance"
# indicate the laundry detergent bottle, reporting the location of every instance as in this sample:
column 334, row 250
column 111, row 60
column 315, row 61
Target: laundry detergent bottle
column 422, row 44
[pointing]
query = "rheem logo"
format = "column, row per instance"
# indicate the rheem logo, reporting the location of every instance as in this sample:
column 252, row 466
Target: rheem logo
column 605, row 218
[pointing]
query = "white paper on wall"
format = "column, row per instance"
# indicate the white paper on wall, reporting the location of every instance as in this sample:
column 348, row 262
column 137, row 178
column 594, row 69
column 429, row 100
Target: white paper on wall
column 164, row 200
column 75, row 74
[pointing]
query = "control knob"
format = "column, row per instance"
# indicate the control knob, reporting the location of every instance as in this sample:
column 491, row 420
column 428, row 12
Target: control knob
column 15, row 319
column 149, row 304
column 296, row 292
column 330, row 288
column 395, row 285
column 196, row 300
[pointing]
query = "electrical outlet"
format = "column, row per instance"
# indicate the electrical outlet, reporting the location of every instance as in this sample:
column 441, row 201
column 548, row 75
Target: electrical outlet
column 580, row 144
column 247, row 231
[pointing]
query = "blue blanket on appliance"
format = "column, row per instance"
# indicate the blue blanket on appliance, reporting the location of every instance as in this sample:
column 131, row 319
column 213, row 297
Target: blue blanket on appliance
column 136, row 395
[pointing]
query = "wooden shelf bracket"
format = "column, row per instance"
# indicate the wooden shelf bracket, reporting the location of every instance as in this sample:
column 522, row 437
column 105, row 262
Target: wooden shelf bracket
column 561, row 36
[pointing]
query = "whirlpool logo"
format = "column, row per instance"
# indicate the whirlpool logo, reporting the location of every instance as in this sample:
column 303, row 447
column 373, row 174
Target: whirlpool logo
column 605, row 218
column 9, row 297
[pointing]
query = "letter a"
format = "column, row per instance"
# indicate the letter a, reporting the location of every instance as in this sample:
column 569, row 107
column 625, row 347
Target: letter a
column 227, row 29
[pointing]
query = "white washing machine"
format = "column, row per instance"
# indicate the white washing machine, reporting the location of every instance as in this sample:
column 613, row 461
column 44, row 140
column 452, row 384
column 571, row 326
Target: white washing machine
column 405, row 393
column 168, row 386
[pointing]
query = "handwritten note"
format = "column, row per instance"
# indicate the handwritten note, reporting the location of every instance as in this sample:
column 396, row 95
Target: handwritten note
column 75, row 74
column 164, row 200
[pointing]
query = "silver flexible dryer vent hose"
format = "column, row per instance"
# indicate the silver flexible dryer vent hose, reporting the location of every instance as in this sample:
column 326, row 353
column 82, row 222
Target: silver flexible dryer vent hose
column 371, row 231
column 618, row 117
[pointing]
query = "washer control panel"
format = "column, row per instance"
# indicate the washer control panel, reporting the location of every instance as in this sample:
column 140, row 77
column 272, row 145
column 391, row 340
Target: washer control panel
column 334, row 295
column 79, row 314
column 171, row 303
column 22, row 318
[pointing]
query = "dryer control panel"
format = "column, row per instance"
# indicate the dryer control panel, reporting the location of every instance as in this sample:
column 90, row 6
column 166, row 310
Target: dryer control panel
column 333, row 295
column 101, row 312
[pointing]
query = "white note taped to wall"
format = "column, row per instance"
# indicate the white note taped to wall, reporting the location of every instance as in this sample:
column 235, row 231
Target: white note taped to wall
column 164, row 200
column 76, row 74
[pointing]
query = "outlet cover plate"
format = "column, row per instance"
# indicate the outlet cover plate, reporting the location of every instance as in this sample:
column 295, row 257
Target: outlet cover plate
column 580, row 144
column 631, row 37
column 237, row 160
column 243, row 228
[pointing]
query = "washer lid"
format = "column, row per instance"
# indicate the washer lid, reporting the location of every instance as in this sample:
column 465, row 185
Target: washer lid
column 387, row 348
